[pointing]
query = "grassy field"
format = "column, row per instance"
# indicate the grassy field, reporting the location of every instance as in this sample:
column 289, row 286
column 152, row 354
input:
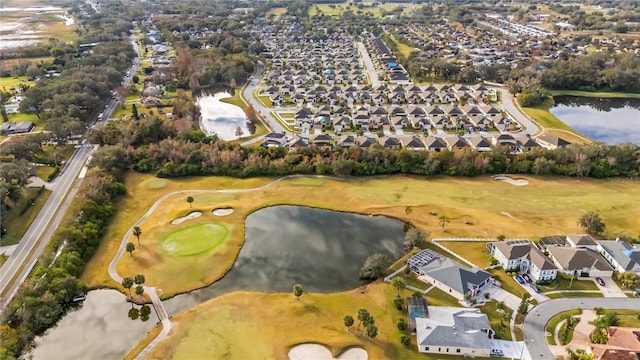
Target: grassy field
column 554, row 321
column 575, row 285
column 338, row 9
column 553, row 205
column 6, row 83
column 598, row 94
column 277, row 11
column 280, row 322
column 17, row 224
column 498, row 324
column 194, row 240
column 474, row 251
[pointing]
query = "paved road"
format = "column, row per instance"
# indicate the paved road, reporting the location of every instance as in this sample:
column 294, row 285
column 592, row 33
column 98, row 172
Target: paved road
column 536, row 320
column 528, row 126
column 20, row 263
column 260, row 109
column 368, row 64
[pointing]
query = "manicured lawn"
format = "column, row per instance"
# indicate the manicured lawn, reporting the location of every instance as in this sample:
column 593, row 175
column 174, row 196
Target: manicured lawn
column 563, row 328
column 554, row 321
column 508, row 283
column 498, row 324
column 540, row 113
column 17, row 224
column 569, row 294
column 575, row 285
column 277, row 322
column 437, row 297
column 6, row 83
column 474, row 251
column 195, row 239
column 598, row 94
column 43, row 172
column 627, row 318
column 559, row 202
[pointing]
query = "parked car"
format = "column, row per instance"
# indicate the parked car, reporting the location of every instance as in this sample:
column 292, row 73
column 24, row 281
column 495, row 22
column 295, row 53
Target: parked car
column 527, row 278
column 535, row 288
column 600, row 281
column 496, row 352
column 519, row 279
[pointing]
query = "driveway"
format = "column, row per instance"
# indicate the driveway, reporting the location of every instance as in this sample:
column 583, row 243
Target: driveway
column 510, row 349
column 534, row 295
column 500, row 294
column 610, row 288
column 538, row 317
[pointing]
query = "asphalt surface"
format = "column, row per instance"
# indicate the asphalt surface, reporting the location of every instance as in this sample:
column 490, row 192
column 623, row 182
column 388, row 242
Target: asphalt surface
column 537, row 318
column 26, row 254
column 368, row 64
column 264, row 112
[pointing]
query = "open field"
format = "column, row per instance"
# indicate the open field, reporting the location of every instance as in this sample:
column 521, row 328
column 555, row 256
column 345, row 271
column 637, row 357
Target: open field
column 474, row 251
column 17, row 224
column 338, row 9
column 277, row 11
column 223, row 326
column 598, row 94
column 553, row 205
column 6, row 83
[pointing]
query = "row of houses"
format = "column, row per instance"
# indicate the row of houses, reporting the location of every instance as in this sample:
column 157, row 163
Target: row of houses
column 386, row 62
column 417, row 117
column 518, row 143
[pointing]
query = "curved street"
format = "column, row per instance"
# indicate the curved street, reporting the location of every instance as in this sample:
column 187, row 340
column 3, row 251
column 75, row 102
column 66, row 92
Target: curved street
column 539, row 316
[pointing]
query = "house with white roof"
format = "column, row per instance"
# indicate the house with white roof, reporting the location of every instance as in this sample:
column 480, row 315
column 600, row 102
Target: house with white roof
column 622, row 255
column 523, row 255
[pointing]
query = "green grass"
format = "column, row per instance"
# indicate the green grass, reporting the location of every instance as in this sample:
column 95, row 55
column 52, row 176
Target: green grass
column 500, row 326
column 626, row 318
column 437, row 297
column 598, row 94
column 6, row 83
column 195, row 239
column 17, row 224
column 554, row 321
column 563, row 284
column 508, row 283
column 564, row 327
column 569, row 294
column 43, row 172
column 540, row 113
column 474, row 251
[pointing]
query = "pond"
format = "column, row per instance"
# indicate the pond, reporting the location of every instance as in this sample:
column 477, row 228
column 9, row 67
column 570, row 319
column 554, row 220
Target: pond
column 609, row 120
column 228, row 121
column 285, row 245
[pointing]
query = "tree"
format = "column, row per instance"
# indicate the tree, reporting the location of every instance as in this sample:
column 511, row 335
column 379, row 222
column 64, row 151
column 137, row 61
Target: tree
column 130, row 247
column 405, row 340
column 239, row 131
column 444, row 219
column 372, row 331
column 500, row 237
column 348, row 321
column 524, row 304
column 505, row 317
column 139, row 279
column 190, row 200
column 401, row 324
column 134, row 313
column 363, row 316
column 137, row 232
column 297, row 291
column 374, row 267
column 592, row 223
column 134, row 112
column 579, row 354
column 416, row 237
column 501, row 306
column 629, row 279
column 398, row 302
column 135, row 79
column 399, row 284
column 139, row 290
column 127, row 283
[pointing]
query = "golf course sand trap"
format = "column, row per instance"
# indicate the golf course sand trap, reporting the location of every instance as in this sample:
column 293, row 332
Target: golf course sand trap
column 180, row 220
column 516, row 182
column 222, row 211
column 319, row 352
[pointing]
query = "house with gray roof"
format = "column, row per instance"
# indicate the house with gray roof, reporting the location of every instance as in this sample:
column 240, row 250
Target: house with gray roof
column 523, row 255
column 622, row 255
column 450, row 276
column 454, row 331
column 16, row 127
column 579, row 261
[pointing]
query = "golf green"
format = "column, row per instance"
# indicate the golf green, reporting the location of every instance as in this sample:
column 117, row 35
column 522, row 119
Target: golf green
column 195, row 239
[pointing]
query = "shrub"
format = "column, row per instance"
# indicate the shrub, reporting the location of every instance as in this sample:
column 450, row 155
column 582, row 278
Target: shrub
column 401, row 324
column 405, row 340
column 399, row 303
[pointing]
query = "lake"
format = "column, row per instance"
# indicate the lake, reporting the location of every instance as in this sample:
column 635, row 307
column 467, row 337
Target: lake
column 228, row 121
column 609, row 120
column 322, row 250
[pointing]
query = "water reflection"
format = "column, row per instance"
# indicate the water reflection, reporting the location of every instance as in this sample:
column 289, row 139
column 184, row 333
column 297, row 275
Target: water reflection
column 613, row 121
column 228, row 121
column 100, row 329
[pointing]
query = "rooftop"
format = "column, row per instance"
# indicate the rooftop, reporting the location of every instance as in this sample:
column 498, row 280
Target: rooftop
column 456, row 327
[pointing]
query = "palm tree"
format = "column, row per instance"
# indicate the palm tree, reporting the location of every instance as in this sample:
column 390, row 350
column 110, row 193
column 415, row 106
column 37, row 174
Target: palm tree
column 444, row 219
column 137, row 232
column 399, row 284
column 139, row 290
column 130, row 248
column 297, row 291
column 127, row 283
column 189, row 200
column 139, row 279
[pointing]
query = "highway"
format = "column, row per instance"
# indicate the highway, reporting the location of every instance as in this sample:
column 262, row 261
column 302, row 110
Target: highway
column 24, row 257
column 537, row 318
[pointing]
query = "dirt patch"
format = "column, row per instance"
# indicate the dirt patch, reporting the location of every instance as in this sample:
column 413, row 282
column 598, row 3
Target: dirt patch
column 509, row 216
column 222, row 211
column 192, row 215
column 320, row 352
column 509, row 180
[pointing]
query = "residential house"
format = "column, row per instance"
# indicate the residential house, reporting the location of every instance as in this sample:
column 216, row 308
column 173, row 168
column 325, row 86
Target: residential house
column 298, row 142
column 452, row 277
column 274, row 139
column 582, row 240
column 455, row 142
column 479, row 143
column 525, row 143
column 436, row 144
column 389, row 142
column 17, row 127
column 622, row 255
column 412, row 143
column 322, row 140
column 454, row 331
column 505, row 140
column 579, row 261
column 523, row 255
column 346, row 141
column 366, row 141
column 623, row 344
column 552, row 142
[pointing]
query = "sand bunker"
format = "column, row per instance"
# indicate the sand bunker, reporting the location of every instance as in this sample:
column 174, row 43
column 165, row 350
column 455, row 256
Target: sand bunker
column 222, row 211
column 516, row 182
column 180, row 220
column 319, row 352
